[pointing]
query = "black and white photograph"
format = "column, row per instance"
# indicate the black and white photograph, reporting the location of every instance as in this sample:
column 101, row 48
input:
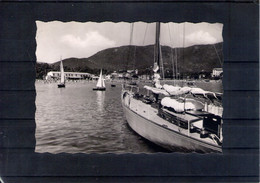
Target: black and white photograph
column 129, row 91
column 129, row 87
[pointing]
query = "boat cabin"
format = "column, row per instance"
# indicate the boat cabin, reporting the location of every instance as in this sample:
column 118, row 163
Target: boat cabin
column 195, row 121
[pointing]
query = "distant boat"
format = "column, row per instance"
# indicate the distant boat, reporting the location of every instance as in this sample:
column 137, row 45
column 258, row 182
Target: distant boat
column 101, row 83
column 190, row 83
column 133, row 83
column 62, row 76
column 113, row 84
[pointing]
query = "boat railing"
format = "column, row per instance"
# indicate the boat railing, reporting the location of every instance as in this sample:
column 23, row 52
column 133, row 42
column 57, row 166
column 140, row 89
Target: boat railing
column 131, row 88
column 217, row 110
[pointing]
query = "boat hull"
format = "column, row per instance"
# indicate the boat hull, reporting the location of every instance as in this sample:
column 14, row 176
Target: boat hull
column 165, row 137
column 99, row 89
column 61, row 85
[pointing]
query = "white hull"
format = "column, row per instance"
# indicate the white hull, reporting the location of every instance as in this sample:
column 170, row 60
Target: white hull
column 164, row 136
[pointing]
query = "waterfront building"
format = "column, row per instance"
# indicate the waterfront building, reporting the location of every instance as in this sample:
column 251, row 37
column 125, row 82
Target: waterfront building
column 217, row 72
column 69, row 75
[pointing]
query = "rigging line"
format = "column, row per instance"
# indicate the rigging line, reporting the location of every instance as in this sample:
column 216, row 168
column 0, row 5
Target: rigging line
column 161, row 58
column 184, row 32
column 131, row 33
column 154, row 54
column 171, row 50
column 129, row 48
column 176, row 59
column 218, row 55
column 134, row 59
column 159, row 51
column 176, row 63
column 173, row 75
column 145, row 33
column 134, row 62
column 173, row 71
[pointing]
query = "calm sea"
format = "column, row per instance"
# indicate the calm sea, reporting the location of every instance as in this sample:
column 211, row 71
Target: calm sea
column 77, row 119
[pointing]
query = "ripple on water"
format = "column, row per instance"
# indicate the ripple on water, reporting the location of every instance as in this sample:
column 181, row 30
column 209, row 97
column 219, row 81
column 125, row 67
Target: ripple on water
column 77, row 119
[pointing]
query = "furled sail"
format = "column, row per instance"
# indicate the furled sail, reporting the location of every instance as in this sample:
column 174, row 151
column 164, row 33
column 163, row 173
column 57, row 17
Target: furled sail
column 176, row 105
column 199, row 91
column 176, row 90
column 157, row 90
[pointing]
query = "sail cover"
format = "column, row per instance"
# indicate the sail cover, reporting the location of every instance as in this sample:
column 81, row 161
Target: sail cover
column 157, row 90
column 176, row 105
column 199, row 91
column 176, row 90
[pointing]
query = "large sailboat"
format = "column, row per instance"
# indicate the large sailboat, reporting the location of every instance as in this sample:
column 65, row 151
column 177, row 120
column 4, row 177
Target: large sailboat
column 101, row 83
column 180, row 119
column 62, row 76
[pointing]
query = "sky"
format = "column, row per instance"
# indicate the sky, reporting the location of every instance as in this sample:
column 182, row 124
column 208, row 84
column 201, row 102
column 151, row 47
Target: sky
column 58, row 40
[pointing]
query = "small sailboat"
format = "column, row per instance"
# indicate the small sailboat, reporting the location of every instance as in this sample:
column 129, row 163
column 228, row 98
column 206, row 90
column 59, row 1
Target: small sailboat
column 113, row 84
column 101, row 83
column 62, row 76
column 171, row 116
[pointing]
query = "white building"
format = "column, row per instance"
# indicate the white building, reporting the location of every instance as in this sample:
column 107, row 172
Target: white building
column 216, row 72
column 69, row 75
column 108, row 77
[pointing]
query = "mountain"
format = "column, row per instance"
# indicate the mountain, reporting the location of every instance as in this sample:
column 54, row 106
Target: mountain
column 190, row 60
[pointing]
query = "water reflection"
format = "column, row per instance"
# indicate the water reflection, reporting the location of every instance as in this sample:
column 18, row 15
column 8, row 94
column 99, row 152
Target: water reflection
column 100, row 100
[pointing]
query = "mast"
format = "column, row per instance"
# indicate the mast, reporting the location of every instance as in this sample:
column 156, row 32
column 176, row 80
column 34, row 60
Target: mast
column 157, row 43
column 157, row 53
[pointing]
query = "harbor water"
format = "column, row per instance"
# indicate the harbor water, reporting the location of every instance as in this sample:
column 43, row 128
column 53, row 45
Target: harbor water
column 77, row 119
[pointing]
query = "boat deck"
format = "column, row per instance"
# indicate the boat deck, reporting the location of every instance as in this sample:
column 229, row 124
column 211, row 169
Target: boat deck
column 151, row 113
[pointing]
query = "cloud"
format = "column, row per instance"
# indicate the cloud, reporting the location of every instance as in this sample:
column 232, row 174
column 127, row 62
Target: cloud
column 92, row 40
column 84, row 46
column 200, row 37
